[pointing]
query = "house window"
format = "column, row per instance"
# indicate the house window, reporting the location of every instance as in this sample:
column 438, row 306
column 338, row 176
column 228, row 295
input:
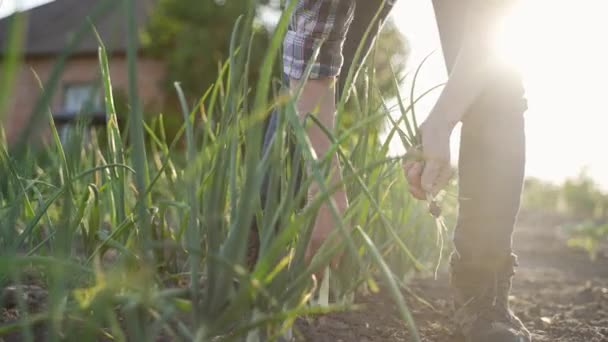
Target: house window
column 78, row 99
column 81, row 96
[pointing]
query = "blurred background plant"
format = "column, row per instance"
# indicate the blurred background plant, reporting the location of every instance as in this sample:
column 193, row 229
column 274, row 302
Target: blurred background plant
column 581, row 203
column 192, row 38
column 129, row 233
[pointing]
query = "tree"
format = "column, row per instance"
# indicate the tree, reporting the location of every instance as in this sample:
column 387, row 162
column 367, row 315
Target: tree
column 193, row 38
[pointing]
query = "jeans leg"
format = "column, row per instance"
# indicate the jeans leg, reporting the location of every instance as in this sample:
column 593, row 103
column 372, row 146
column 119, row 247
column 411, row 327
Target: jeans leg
column 491, row 171
column 271, row 131
column 492, row 150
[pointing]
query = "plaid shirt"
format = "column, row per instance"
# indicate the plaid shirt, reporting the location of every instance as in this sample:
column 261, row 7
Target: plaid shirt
column 325, row 23
column 313, row 23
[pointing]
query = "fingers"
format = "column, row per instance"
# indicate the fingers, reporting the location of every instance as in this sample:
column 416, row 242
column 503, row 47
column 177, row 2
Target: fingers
column 407, row 164
column 428, row 177
column 435, row 176
column 413, row 173
column 444, row 179
column 430, row 174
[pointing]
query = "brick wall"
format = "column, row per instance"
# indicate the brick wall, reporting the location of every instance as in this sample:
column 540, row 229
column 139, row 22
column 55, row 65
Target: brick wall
column 78, row 70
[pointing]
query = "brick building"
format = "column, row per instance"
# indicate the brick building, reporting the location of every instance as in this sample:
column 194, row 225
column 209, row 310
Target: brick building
column 48, row 31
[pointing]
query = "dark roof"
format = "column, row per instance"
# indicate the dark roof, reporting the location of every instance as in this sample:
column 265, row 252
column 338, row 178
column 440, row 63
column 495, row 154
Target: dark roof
column 51, row 25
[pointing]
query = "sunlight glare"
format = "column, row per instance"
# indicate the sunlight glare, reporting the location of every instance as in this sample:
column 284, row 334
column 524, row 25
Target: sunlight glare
column 544, row 34
column 559, row 48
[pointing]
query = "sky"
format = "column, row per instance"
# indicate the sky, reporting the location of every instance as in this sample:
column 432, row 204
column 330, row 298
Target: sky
column 565, row 66
column 7, row 6
column 564, row 60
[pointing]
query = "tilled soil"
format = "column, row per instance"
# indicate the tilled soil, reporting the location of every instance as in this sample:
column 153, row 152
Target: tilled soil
column 558, row 292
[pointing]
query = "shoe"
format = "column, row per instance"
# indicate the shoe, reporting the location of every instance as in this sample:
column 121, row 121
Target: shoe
column 481, row 301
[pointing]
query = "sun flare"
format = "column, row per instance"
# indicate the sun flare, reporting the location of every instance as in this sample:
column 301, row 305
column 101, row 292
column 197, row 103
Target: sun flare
column 542, row 35
column 559, row 47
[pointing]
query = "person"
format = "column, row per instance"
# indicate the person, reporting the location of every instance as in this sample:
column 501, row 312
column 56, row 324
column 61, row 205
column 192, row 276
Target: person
column 486, row 96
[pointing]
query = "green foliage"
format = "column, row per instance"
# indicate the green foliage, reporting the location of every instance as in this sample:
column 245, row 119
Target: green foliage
column 584, row 199
column 589, row 236
column 193, row 38
column 140, row 240
column 384, row 67
column 389, row 60
column 539, row 195
column 579, row 199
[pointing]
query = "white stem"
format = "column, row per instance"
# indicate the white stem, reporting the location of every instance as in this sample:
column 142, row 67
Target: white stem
column 324, row 290
column 254, row 335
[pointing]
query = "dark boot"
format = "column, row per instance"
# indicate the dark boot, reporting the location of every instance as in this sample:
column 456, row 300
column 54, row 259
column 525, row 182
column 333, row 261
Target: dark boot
column 481, row 301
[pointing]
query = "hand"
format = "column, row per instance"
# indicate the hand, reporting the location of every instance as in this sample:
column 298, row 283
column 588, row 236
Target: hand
column 433, row 172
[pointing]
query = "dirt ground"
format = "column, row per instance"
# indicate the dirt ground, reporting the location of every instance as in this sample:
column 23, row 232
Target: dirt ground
column 558, row 292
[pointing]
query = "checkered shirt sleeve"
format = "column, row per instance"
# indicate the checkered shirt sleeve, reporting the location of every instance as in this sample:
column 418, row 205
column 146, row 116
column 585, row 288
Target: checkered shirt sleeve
column 317, row 24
